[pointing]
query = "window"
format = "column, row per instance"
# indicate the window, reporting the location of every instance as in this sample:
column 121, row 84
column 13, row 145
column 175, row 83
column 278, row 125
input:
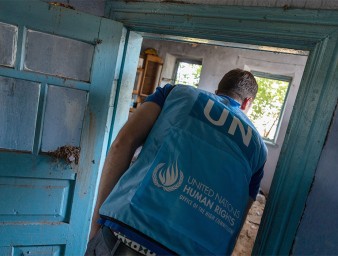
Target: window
column 188, row 72
column 267, row 109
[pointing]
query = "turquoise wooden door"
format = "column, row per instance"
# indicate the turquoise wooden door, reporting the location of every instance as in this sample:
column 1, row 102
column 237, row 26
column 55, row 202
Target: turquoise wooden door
column 58, row 69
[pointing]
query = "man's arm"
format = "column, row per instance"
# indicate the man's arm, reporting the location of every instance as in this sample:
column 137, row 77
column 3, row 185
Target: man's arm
column 130, row 137
column 253, row 190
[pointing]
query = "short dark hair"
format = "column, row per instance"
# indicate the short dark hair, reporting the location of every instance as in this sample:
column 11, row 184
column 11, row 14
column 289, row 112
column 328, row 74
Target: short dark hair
column 238, row 83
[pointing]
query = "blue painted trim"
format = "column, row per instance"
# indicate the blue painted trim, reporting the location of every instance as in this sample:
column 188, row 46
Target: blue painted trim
column 127, row 80
column 175, row 38
column 309, row 30
column 30, row 12
column 239, row 13
column 272, row 76
column 20, row 164
column 118, row 89
column 96, row 128
column 36, row 77
column 301, row 150
column 246, row 25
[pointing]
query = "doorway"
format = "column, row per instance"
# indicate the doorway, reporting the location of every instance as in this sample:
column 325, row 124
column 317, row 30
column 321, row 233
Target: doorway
column 280, row 70
column 267, row 27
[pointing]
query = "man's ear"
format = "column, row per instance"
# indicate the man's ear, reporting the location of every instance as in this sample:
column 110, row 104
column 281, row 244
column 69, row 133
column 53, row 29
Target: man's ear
column 246, row 104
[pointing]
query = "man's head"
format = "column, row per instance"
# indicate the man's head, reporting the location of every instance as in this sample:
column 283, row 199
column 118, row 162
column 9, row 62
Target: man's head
column 239, row 85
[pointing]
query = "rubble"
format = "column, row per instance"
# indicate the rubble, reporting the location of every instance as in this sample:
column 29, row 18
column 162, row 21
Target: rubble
column 247, row 237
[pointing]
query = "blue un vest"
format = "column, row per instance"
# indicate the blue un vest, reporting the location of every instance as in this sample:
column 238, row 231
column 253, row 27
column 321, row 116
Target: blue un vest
column 188, row 189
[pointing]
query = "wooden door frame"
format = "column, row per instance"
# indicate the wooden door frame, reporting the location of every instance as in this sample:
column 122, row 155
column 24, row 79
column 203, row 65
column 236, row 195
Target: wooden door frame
column 315, row 31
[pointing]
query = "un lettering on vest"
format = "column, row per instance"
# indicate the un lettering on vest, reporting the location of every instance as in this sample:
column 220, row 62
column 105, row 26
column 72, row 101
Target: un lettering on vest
column 219, row 117
column 234, row 123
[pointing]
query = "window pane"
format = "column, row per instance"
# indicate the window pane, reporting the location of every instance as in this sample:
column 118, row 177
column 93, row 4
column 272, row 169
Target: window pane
column 268, row 106
column 63, row 118
column 18, row 110
column 8, row 39
column 188, row 74
column 58, row 56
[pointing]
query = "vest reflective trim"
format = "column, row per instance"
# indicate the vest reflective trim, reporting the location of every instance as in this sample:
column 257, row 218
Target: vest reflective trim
column 189, row 187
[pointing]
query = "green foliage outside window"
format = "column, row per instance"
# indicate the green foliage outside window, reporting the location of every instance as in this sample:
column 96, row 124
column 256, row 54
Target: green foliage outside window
column 188, row 74
column 268, row 106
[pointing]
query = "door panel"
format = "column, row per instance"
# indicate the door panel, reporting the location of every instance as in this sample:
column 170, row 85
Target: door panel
column 58, row 56
column 24, row 206
column 53, row 250
column 8, row 38
column 63, row 119
column 57, row 69
column 19, row 105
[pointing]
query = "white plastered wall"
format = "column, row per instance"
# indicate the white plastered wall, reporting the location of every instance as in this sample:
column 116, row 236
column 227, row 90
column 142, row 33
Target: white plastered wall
column 218, row 60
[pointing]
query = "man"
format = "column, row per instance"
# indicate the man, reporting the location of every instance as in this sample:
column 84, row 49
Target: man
column 198, row 172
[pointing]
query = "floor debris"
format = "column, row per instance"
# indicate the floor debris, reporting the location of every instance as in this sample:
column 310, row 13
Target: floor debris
column 249, row 231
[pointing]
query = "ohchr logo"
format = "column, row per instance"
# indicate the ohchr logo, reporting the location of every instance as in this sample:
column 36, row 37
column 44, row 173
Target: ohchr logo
column 169, row 179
